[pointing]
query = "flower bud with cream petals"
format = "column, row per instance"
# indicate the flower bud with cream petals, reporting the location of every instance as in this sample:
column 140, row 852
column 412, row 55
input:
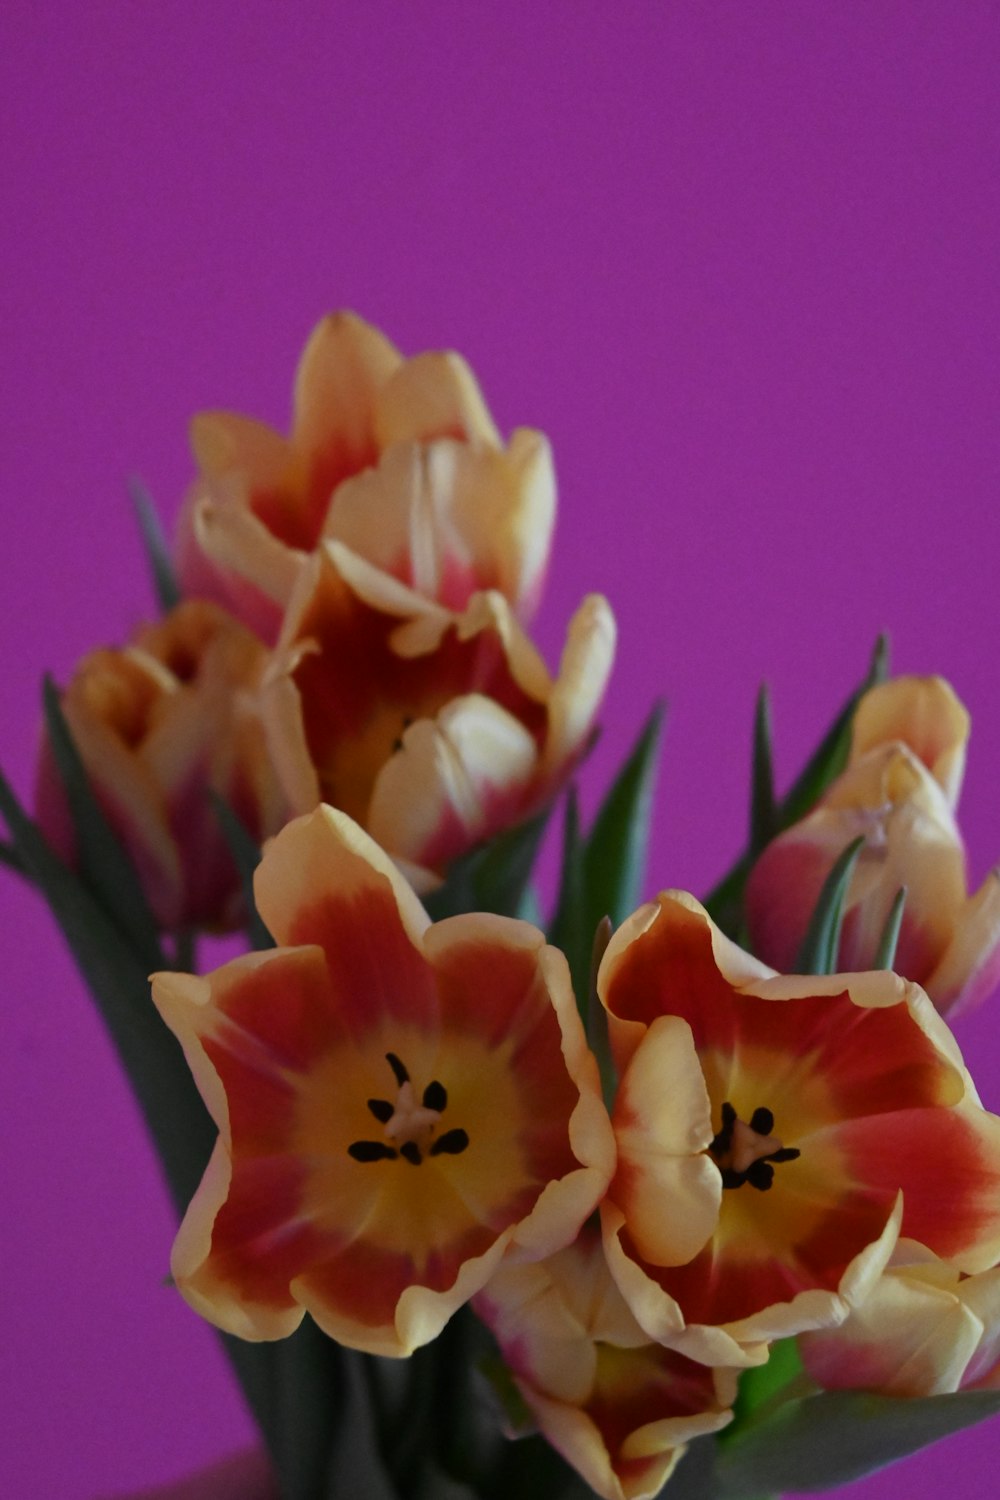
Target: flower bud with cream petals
column 897, row 793
column 617, row 1407
column 923, row 1330
column 160, row 724
column 398, row 458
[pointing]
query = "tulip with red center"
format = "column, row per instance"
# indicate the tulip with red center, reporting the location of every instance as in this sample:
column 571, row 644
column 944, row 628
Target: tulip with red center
column 774, row 1134
column 898, row 794
column 398, row 458
column 400, row 1104
column 432, row 729
column 617, row 1407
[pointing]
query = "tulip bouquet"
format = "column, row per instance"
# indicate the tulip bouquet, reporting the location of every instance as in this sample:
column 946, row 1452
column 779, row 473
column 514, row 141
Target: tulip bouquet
column 487, row 1199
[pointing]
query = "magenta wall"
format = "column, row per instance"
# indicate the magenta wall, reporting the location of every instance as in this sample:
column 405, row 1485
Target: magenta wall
column 739, row 261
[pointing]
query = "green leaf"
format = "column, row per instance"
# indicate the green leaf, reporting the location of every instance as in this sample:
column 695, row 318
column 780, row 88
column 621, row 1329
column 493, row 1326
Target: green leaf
column 246, row 856
column 168, row 592
column 568, row 930
column 117, row 976
column 10, row 857
column 343, row 1421
column 885, row 953
column 614, row 854
column 725, row 901
column 762, row 1384
column 818, row 954
column 819, row 1442
column 829, row 759
column 763, row 811
column 105, row 868
column 494, row 877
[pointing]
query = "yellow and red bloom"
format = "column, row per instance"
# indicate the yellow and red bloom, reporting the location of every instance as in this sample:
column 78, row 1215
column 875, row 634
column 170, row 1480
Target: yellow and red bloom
column 398, row 458
column 773, row 1136
column 160, row 724
column 399, row 1105
column 617, row 1407
column 433, row 729
column 898, row 793
column 923, row 1330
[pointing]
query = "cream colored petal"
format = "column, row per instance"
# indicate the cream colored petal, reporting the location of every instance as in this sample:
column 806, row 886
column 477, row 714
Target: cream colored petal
column 907, row 1338
column 583, row 676
column 226, row 446
column 573, row 1434
column 490, row 611
column 926, row 714
column 659, row 1314
column 669, row 1189
column 451, row 779
column 423, row 621
column 284, row 729
column 525, row 1307
column 433, row 395
column 326, row 851
column 453, row 518
column 344, row 366
column 969, row 969
column 229, row 533
column 133, row 799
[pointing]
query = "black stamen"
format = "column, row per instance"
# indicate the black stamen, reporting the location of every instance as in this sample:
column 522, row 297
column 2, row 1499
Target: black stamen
column 411, row 1151
column 402, row 1076
column 762, row 1120
column 722, row 1142
column 381, row 1109
column 787, row 1153
column 760, row 1174
column 452, row 1143
column 435, row 1096
column 371, row 1151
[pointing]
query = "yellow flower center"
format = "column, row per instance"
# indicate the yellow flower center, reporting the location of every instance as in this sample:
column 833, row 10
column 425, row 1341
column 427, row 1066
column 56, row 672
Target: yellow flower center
column 410, row 1127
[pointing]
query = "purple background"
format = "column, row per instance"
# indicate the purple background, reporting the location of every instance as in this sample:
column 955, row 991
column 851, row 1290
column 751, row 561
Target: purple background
column 738, row 261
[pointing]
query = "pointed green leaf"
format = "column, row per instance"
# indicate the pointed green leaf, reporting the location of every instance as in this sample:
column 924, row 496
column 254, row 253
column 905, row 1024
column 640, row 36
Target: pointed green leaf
column 763, row 812
column 615, row 850
column 493, row 877
column 725, row 901
column 761, row 1384
column 568, row 927
column 344, row 1422
column 104, row 865
column 818, row 954
column 830, row 758
column 885, row 953
column 117, row 976
column 168, row 592
column 10, row 857
column 246, row 856
column 822, row 1441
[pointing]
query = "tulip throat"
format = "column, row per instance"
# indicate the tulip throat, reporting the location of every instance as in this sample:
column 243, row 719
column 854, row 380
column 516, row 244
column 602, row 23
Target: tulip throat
column 410, row 1126
column 747, row 1152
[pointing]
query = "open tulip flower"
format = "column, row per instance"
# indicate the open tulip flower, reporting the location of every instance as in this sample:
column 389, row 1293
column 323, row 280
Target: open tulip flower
column 898, row 793
column 160, row 724
column 400, row 1104
column 775, row 1135
column 432, row 729
column 398, row 458
column 618, row 1407
column 924, row 1329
